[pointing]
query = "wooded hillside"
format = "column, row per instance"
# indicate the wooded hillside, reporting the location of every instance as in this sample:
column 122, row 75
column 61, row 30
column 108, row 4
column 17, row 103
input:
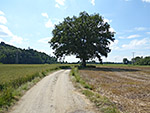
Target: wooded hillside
column 13, row 55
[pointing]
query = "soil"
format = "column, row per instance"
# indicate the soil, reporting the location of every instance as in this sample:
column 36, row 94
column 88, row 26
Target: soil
column 127, row 87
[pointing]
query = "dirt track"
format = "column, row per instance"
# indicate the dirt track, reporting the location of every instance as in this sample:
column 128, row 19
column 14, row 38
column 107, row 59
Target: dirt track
column 53, row 94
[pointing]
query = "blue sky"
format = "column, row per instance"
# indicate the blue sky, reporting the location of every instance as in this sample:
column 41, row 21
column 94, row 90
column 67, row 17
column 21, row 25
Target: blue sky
column 28, row 23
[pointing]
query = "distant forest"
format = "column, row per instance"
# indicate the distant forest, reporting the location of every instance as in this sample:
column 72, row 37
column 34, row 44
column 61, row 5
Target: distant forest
column 141, row 60
column 138, row 60
column 13, row 55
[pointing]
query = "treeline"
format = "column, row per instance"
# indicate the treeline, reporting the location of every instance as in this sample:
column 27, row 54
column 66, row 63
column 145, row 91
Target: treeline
column 12, row 55
column 138, row 60
column 141, row 61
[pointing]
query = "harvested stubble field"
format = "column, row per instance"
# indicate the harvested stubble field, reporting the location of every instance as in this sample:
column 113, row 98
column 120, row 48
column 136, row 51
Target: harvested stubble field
column 126, row 86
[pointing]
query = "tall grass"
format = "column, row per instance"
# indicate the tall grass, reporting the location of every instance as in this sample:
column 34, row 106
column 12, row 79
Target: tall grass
column 13, row 76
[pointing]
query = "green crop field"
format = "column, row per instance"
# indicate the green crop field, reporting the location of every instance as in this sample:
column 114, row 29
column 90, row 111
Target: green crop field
column 12, row 76
column 12, row 72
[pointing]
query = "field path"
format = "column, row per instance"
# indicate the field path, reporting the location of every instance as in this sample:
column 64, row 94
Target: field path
column 53, row 94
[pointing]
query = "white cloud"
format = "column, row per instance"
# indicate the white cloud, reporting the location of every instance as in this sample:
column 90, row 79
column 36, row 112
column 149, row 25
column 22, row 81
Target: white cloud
column 121, row 37
column 148, row 33
column 3, row 20
column 93, row 2
column 49, row 24
column 44, row 40
column 112, row 29
column 114, row 44
column 107, row 20
column 60, row 2
column 140, row 28
column 1, row 13
column 5, row 32
column 133, row 36
column 129, row 37
column 45, row 15
column 56, row 5
column 16, row 39
column 135, row 44
column 148, row 1
column 134, row 30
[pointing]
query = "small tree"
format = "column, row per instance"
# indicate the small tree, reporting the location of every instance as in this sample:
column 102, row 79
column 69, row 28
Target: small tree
column 86, row 37
column 125, row 61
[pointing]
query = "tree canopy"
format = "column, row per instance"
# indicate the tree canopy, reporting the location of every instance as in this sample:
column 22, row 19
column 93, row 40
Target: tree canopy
column 125, row 61
column 86, row 37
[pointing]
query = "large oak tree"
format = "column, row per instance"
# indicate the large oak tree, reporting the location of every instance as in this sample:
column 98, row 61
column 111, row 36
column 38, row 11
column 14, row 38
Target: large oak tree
column 86, row 37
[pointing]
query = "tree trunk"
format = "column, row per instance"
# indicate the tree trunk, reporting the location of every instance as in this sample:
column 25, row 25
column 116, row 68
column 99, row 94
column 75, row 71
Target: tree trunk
column 83, row 63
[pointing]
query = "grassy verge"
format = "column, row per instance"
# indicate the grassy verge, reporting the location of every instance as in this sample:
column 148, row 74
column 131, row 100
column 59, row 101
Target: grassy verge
column 16, row 79
column 103, row 104
column 78, row 79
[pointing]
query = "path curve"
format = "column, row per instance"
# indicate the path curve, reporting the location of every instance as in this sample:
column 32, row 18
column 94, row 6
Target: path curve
column 53, row 94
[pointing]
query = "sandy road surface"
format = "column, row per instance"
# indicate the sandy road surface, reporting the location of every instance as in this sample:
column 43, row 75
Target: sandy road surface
column 53, row 94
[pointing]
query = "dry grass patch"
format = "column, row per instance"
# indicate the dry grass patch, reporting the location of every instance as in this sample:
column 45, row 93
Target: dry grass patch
column 127, row 86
